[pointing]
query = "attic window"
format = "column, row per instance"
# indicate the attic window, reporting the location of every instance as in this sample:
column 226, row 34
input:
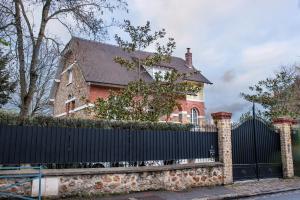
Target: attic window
column 70, row 76
column 154, row 70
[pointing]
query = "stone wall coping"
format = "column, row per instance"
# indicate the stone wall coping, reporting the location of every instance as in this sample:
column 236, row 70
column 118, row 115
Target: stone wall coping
column 284, row 120
column 221, row 115
column 115, row 170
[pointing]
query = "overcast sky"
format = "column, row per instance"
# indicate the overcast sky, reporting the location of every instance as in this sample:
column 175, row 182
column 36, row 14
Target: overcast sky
column 235, row 43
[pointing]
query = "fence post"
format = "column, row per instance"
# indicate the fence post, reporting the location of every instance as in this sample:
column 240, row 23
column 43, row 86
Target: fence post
column 284, row 124
column 223, row 123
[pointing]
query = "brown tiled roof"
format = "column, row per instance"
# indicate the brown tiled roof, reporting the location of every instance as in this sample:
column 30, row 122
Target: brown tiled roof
column 96, row 62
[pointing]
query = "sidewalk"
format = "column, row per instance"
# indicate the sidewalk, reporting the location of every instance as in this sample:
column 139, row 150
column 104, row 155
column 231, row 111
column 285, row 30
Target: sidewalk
column 237, row 190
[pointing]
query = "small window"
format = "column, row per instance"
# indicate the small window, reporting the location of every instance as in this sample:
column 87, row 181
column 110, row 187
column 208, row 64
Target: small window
column 194, row 116
column 67, row 108
column 70, row 104
column 70, row 76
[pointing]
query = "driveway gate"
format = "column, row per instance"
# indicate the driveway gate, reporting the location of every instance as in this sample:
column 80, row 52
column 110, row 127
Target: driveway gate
column 296, row 151
column 256, row 150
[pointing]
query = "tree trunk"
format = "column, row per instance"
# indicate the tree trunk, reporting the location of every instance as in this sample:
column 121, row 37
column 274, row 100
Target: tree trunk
column 20, row 49
column 27, row 96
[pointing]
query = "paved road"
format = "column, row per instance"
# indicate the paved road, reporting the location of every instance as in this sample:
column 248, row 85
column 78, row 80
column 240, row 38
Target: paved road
column 295, row 195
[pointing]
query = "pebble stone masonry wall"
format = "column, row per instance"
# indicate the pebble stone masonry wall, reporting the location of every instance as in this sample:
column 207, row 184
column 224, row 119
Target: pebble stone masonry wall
column 284, row 125
column 89, row 182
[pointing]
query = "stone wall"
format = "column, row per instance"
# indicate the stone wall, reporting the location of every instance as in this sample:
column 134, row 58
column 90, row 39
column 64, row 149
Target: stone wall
column 78, row 89
column 89, row 182
column 284, row 125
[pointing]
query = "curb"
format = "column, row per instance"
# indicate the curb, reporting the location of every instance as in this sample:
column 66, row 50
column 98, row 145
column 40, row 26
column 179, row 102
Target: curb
column 245, row 195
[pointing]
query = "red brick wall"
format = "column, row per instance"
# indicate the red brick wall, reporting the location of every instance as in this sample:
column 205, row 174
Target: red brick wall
column 186, row 106
column 99, row 92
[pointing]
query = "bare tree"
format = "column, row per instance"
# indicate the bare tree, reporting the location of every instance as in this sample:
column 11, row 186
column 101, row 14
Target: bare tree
column 46, row 69
column 19, row 27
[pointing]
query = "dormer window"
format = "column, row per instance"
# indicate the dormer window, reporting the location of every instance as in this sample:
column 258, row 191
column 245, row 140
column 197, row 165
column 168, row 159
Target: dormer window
column 70, row 76
column 154, row 70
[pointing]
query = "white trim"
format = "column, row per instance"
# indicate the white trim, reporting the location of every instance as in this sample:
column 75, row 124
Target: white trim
column 76, row 109
column 68, row 83
column 70, row 100
column 195, row 100
column 60, row 115
column 68, row 68
column 82, row 107
column 182, row 112
column 57, row 80
column 199, row 116
column 52, row 100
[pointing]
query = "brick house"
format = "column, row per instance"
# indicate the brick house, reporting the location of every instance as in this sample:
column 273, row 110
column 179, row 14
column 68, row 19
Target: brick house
column 87, row 71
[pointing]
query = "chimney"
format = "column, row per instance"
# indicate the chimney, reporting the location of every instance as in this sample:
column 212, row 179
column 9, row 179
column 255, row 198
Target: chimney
column 189, row 58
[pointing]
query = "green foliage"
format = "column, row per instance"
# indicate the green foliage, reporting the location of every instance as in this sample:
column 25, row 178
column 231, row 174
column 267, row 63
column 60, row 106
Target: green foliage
column 3, row 42
column 47, row 121
column 141, row 38
column 6, row 87
column 249, row 115
column 140, row 100
column 279, row 96
column 145, row 101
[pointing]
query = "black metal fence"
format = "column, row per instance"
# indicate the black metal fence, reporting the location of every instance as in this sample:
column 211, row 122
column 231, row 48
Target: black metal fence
column 47, row 145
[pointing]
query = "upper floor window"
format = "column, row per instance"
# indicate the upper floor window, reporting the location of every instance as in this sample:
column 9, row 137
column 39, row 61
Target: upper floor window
column 196, row 97
column 154, row 70
column 70, row 76
column 194, row 116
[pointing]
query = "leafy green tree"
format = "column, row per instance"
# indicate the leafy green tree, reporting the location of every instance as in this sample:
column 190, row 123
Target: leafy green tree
column 6, row 87
column 249, row 115
column 140, row 100
column 143, row 101
column 279, row 96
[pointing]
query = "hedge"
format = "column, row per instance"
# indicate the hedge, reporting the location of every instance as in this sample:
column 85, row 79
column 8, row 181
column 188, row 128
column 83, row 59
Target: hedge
column 48, row 121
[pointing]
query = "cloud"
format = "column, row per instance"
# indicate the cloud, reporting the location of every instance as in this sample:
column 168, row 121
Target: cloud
column 235, row 43
column 236, row 108
column 228, row 76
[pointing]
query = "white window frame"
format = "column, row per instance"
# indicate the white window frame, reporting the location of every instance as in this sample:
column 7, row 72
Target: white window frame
column 153, row 70
column 70, row 76
column 193, row 117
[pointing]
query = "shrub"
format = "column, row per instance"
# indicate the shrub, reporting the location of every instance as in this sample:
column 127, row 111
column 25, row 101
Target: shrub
column 48, row 121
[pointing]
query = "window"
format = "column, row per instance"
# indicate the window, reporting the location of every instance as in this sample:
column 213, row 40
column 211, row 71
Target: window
column 70, row 104
column 197, row 97
column 156, row 69
column 194, row 116
column 70, row 76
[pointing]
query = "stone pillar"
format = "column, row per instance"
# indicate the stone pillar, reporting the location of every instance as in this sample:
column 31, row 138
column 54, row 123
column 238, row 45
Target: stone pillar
column 284, row 125
column 223, row 123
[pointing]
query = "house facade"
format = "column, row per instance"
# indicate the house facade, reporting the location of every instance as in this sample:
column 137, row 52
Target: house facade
column 87, row 71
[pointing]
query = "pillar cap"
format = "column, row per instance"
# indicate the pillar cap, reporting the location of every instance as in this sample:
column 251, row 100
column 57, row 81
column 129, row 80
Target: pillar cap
column 284, row 120
column 221, row 115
